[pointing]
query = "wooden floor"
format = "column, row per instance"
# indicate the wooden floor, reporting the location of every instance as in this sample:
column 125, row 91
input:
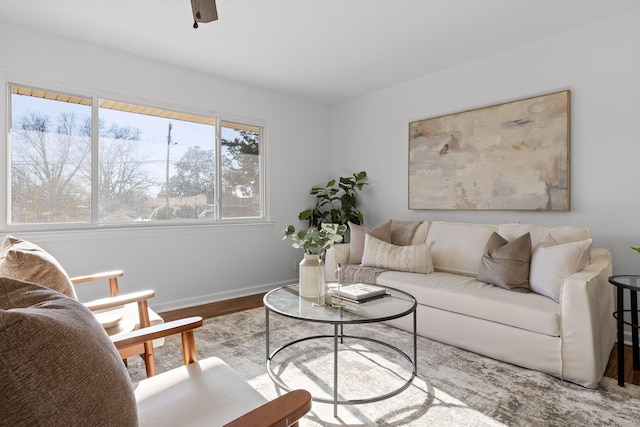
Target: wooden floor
column 208, row 311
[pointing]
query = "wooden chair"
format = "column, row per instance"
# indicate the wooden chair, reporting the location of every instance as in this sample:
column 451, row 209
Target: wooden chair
column 53, row 346
column 131, row 309
column 207, row 392
column 24, row 260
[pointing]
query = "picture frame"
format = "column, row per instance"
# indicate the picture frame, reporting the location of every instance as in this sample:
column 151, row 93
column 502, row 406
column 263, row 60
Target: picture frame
column 509, row 156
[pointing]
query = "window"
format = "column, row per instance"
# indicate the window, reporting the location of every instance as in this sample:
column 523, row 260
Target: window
column 81, row 159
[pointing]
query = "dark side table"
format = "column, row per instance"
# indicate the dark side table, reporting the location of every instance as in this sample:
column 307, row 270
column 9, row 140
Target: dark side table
column 632, row 283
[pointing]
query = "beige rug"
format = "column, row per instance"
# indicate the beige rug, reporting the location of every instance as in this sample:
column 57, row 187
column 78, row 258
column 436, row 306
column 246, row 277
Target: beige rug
column 453, row 388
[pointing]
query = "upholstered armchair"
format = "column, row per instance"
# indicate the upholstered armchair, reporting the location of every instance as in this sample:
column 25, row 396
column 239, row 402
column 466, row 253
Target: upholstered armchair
column 58, row 366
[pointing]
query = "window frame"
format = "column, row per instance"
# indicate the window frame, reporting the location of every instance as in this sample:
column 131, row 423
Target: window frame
column 94, row 224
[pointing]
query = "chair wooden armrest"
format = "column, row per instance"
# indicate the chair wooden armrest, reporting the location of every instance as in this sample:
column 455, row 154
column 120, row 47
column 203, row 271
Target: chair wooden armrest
column 144, row 348
column 111, row 276
column 284, row 411
column 131, row 341
column 118, row 300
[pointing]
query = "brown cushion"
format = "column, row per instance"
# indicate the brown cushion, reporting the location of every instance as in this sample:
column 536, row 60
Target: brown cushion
column 29, row 262
column 506, row 264
column 356, row 242
column 57, row 364
column 402, row 232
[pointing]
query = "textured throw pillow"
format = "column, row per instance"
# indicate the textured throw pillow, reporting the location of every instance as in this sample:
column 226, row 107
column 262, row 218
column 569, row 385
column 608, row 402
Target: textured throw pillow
column 58, row 367
column 551, row 264
column 356, row 242
column 402, row 232
column 413, row 258
column 506, row 264
column 29, row 262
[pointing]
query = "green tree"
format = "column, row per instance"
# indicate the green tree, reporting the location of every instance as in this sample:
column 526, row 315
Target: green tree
column 195, row 174
column 241, row 175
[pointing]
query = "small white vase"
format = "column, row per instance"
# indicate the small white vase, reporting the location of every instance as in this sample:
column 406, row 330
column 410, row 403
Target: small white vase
column 311, row 279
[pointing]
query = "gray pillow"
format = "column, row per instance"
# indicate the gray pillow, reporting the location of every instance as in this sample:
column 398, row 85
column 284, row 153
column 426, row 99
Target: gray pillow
column 57, row 364
column 506, row 264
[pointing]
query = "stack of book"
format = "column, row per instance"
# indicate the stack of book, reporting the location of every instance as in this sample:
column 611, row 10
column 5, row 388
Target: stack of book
column 357, row 293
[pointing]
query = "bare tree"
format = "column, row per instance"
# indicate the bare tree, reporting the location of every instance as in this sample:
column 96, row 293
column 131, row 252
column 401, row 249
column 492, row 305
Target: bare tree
column 51, row 170
column 47, row 183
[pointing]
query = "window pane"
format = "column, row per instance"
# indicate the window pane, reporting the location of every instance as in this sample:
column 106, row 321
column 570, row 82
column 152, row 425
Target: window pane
column 51, row 162
column 150, row 164
column 155, row 165
column 240, row 157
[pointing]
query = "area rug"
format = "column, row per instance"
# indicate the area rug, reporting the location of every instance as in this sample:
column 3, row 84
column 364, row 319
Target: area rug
column 453, row 387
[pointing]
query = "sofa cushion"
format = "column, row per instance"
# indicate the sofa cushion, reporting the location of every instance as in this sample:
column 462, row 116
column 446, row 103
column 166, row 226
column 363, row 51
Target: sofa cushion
column 413, row 258
column 552, row 263
column 29, row 262
column 356, row 242
column 402, row 232
column 506, row 264
column 467, row 296
column 420, row 235
column 561, row 234
column 458, row 247
column 57, row 364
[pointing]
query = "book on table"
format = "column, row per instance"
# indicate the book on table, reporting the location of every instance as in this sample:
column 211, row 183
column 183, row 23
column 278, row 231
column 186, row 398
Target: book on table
column 352, row 302
column 359, row 292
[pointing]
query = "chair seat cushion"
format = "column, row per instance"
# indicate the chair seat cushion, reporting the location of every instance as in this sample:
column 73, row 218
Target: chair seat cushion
column 206, row 393
column 57, row 364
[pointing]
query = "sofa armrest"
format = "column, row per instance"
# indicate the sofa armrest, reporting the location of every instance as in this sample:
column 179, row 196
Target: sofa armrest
column 338, row 253
column 588, row 326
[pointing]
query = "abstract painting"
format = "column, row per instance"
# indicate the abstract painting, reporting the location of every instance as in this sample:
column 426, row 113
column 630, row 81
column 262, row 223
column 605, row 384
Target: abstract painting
column 510, row 156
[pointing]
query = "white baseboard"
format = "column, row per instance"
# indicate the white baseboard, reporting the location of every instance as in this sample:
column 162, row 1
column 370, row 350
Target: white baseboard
column 215, row 297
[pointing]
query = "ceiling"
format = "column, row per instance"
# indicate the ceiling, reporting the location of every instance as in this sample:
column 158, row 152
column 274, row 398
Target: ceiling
column 322, row 50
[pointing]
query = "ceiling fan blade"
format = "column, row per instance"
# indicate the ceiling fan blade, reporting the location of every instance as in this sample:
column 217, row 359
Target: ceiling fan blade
column 204, row 10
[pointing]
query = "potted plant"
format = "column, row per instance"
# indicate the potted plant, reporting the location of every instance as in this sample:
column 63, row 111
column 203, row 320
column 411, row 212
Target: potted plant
column 336, row 202
column 314, row 242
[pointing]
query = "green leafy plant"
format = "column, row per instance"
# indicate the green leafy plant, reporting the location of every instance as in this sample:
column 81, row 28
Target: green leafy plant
column 337, row 202
column 636, row 249
column 314, row 241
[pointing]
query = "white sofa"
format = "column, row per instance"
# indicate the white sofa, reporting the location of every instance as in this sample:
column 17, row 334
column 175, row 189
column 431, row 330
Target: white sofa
column 570, row 338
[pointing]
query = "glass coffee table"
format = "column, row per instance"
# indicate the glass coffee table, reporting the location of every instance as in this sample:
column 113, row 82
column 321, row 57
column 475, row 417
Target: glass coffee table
column 286, row 301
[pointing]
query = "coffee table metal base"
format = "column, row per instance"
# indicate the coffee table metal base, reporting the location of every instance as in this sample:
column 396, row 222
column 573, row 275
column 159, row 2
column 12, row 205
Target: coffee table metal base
column 338, row 338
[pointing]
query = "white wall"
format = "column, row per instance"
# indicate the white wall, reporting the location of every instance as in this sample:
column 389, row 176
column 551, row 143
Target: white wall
column 185, row 265
column 599, row 63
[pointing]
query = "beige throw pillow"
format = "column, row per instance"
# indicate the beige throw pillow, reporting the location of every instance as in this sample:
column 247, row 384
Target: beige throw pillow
column 551, row 264
column 506, row 264
column 356, row 242
column 412, row 258
column 58, row 367
column 27, row 261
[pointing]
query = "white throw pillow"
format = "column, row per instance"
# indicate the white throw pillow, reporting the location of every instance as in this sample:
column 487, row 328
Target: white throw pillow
column 412, row 258
column 551, row 264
